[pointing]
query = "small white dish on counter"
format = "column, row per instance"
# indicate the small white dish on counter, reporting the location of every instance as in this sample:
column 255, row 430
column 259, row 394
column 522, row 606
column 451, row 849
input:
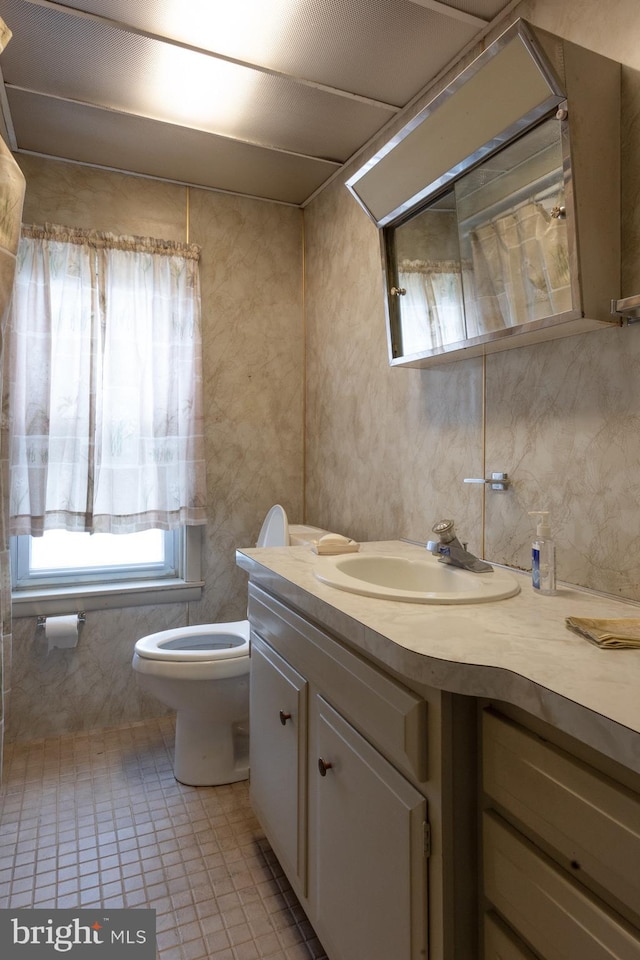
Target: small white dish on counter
column 332, row 544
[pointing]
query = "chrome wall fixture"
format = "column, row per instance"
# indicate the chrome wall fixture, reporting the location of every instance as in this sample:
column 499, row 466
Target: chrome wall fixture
column 497, row 481
column 41, row 622
column 627, row 308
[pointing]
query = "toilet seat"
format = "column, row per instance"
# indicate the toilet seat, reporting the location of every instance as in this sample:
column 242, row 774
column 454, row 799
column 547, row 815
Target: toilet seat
column 199, row 644
column 275, row 529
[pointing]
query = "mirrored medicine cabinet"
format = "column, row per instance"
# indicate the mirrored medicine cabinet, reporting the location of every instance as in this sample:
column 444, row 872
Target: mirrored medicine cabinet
column 499, row 204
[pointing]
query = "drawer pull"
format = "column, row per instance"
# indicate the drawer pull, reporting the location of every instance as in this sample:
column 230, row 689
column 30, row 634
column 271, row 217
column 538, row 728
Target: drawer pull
column 323, row 766
column 284, row 717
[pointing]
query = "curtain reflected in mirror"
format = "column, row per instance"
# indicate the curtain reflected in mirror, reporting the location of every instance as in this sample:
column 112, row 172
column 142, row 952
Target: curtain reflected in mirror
column 431, row 311
column 513, row 234
column 429, row 302
column 490, row 254
column 520, row 270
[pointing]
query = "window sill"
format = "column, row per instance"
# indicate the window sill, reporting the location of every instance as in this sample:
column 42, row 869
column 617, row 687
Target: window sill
column 79, row 599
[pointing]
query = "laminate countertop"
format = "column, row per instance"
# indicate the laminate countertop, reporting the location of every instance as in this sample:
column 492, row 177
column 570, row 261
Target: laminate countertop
column 517, row 650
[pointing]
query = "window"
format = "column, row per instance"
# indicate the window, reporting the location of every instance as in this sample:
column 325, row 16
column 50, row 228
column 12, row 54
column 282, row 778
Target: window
column 58, row 557
column 104, row 570
column 106, row 440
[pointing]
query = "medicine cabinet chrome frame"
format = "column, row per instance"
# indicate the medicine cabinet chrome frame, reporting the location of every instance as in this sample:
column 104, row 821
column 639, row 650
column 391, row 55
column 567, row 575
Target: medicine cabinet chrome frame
column 568, row 82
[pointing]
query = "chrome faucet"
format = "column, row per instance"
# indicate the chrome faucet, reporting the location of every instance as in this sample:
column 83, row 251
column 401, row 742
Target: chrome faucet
column 449, row 550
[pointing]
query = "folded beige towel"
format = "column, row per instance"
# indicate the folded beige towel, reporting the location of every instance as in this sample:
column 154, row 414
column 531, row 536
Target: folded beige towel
column 609, row 634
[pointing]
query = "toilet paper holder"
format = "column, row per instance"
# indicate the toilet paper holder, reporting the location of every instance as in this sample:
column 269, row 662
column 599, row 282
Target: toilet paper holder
column 41, row 621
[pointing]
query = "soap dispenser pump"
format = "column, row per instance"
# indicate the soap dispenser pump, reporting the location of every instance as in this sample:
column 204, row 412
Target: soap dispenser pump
column 543, row 555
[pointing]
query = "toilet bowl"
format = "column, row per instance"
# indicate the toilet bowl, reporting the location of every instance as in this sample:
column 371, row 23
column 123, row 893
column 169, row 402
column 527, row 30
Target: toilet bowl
column 202, row 672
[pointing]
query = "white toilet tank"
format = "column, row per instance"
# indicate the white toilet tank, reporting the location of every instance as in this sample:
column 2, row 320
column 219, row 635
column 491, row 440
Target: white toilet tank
column 276, row 531
column 301, row 535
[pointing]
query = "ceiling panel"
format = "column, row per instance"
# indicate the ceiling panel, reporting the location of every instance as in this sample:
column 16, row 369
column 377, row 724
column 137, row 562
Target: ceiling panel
column 94, row 63
column 263, row 97
column 372, row 47
column 61, row 129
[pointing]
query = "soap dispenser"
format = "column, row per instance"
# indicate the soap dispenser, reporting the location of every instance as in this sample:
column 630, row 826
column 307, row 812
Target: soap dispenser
column 543, row 555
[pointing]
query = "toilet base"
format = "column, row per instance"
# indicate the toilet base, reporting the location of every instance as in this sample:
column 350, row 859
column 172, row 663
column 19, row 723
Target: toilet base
column 208, row 755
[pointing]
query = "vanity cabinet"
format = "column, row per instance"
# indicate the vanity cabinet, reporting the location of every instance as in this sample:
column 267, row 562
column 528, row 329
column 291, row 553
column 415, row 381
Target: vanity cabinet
column 417, row 814
column 338, row 757
column 560, row 847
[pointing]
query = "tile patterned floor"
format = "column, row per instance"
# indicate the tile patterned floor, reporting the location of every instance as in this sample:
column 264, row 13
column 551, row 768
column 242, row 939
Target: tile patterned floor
column 99, row 820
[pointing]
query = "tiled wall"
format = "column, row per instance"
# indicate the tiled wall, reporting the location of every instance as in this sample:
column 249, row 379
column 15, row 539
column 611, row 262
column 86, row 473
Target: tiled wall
column 253, row 341
column 387, row 450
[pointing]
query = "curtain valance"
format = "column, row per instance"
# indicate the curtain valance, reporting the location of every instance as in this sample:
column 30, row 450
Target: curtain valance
column 100, row 240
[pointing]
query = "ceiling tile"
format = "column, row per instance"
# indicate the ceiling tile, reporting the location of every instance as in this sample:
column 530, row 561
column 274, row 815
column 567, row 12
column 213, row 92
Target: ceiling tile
column 264, row 97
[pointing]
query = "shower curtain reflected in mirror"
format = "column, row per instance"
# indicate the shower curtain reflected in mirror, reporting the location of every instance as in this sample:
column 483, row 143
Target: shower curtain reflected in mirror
column 519, row 270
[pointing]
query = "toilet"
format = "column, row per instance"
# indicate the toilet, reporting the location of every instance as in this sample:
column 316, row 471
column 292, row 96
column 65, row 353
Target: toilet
column 202, row 673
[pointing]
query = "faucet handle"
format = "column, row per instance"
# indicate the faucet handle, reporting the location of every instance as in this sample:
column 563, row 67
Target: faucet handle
column 444, row 530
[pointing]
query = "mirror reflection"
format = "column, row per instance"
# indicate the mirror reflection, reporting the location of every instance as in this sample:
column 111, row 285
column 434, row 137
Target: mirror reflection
column 490, row 253
column 428, row 303
column 513, row 234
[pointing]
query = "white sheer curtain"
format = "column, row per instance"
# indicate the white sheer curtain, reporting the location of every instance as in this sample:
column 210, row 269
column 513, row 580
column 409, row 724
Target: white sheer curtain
column 431, row 311
column 520, row 269
column 105, row 384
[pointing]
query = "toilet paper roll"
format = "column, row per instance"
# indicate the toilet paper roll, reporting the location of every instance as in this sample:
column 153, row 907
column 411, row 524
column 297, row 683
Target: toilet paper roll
column 61, row 632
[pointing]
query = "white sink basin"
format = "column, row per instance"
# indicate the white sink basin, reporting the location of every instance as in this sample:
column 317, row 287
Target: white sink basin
column 423, row 580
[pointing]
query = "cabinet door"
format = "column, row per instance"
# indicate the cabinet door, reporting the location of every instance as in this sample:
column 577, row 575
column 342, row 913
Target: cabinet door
column 367, row 859
column 277, row 757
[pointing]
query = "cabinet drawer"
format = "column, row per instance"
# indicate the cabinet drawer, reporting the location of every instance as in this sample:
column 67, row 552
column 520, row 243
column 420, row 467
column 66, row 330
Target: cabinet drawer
column 588, row 818
column 543, row 904
column 502, row 944
column 390, row 715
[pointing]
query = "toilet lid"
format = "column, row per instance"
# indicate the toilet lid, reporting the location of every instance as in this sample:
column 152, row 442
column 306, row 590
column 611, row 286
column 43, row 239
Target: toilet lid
column 196, row 643
column 275, row 529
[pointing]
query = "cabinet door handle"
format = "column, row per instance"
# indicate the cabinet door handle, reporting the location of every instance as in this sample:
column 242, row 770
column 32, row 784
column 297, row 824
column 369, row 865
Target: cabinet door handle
column 284, row 717
column 323, row 766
